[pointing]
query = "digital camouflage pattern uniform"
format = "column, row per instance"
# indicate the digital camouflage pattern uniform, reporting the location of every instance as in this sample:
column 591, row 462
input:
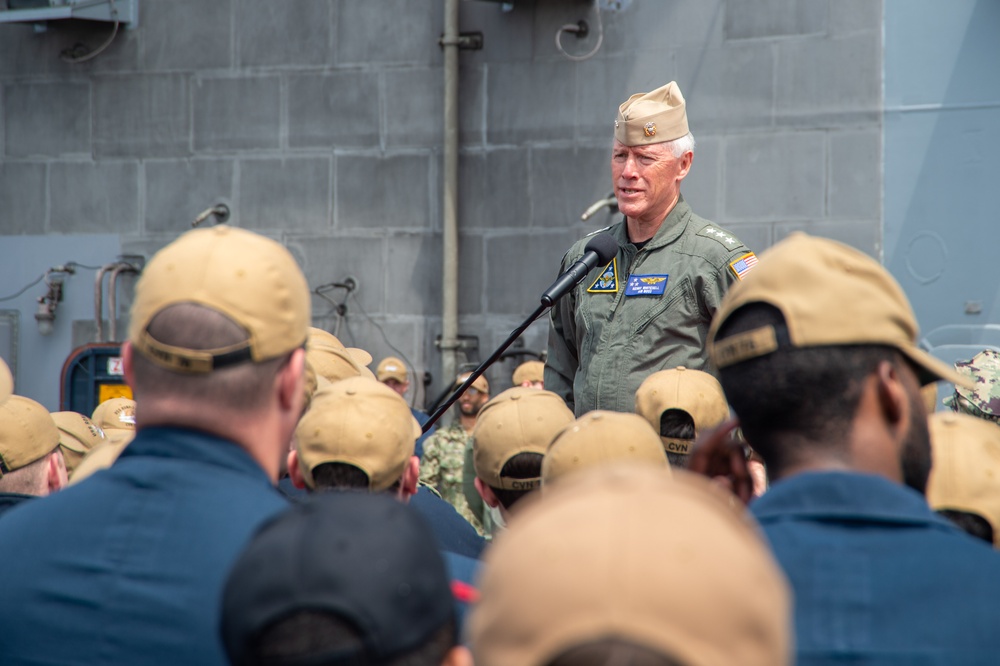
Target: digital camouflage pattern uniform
column 442, row 465
column 983, row 401
column 604, row 342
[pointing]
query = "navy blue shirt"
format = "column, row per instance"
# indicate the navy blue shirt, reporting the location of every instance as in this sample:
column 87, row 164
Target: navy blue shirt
column 421, row 418
column 453, row 532
column 878, row 577
column 128, row 566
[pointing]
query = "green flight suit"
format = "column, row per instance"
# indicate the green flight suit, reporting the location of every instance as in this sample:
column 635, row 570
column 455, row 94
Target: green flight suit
column 603, row 344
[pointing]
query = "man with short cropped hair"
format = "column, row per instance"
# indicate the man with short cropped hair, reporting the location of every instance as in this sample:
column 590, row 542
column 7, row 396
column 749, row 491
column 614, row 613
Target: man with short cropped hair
column 128, row 566
column 817, row 353
column 31, row 461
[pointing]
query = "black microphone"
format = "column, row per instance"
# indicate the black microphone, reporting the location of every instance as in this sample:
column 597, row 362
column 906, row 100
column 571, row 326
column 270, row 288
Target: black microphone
column 600, row 250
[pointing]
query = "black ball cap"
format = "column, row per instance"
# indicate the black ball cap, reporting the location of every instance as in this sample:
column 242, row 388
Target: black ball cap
column 365, row 557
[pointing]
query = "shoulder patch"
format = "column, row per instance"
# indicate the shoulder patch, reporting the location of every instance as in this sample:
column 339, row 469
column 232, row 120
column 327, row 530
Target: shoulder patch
column 740, row 267
column 607, row 281
column 597, row 231
column 722, row 237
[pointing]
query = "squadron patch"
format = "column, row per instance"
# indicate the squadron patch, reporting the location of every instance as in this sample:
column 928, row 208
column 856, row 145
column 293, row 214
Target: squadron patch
column 743, row 265
column 646, row 285
column 607, row 281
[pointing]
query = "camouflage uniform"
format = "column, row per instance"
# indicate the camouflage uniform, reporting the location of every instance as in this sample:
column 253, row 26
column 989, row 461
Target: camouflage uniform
column 983, row 401
column 603, row 343
column 442, row 465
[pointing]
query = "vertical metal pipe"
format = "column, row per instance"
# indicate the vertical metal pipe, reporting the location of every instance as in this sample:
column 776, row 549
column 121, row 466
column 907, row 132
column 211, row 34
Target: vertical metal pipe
column 99, row 300
column 449, row 223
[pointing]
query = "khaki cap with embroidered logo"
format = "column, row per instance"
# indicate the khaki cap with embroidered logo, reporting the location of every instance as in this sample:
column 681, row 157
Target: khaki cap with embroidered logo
column 966, row 471
column 693, row 391
column 392, row 368
column 627, row 553
column 519, row 420
column 362, row 422
column 529, row 371
column 6, row 381
column 652, row 117
column 27, row 433
column 598, row 438
column 251, row 279
column 320, row 338
column 480, row 384
column 77, row 436
column 829, row 294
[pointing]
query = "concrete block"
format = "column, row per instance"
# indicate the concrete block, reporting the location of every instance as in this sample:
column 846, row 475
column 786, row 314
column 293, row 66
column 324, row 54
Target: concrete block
column 775, row 18
column 757, row 237
column 518, row 268
column 327, row 259
column 178, row 190
column 291, row 32
column 564, row 182
column 203, row 38
column 93, row 197
column 414, row 274
column 142, row 116
column 22, row 191
column 290, row 194
column 471, row 104
column 647, row 28
column 414, row 107
column 865, row 235
column 400, row 31
column 776, row 176
column 712, row 78
column 493, row 190
column 25, row 53
column 46, row 118
column 526, row 102
column 470, row 272
column 702, row 186
column 505, row 34
column 604, row 83
column 829, row 82
column 337, row 109
column 236, row 114
column 850, row 16
column 382, row 192
column 855, row 174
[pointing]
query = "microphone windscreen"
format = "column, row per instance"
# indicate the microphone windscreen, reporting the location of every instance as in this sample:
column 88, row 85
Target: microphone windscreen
column 605, row 246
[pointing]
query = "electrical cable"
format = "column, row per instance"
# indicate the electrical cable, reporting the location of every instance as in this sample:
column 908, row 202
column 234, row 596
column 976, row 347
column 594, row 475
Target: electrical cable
column 65, row 268
column 385, row 338
column 24, row 288
column 67, row 54
column 576, row 28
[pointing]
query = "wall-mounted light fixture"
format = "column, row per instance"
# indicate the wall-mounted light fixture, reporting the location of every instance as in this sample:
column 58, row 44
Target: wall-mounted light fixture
column 45, row 315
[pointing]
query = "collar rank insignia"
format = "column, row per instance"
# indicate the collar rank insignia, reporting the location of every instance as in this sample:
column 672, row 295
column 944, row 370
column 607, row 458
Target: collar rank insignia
column 607, row 281
column 740, row 267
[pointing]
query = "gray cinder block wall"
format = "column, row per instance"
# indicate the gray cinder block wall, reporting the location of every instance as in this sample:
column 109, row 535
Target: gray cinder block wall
column 319, row 122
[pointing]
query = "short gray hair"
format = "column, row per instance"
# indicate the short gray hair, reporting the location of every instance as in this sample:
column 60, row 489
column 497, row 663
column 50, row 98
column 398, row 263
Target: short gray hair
column 681, row 145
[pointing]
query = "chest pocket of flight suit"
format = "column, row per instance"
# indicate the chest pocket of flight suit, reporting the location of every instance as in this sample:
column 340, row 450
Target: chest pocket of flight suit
column 675, row 310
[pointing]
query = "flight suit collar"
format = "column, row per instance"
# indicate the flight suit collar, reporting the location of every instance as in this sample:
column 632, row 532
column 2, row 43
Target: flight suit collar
column 670, row 230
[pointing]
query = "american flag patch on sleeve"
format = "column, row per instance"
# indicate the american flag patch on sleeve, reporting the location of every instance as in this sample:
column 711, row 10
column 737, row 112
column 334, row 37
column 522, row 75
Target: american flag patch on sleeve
column 743, row 265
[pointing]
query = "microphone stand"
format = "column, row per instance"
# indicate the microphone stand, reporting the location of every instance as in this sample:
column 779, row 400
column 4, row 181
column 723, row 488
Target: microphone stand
column 477, row 373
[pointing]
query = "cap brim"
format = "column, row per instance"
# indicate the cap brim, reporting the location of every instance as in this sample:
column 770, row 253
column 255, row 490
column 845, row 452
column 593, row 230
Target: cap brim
column 6, row 381
column 360, row 356
column 934, row 370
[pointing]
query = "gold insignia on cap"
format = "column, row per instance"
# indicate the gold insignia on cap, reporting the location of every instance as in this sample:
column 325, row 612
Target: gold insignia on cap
column 649, row 129
column 616, row 124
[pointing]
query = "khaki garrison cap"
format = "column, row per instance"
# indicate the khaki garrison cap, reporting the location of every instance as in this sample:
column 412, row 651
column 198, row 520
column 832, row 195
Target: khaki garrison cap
column 830, row 294
column 27, row 433
column 320, row 338
column 362, row 422
column 627, row 553
column 77, row 436
column 251, row 279
column 392, row 368
column 529, row 371
column 966, row 471
column 519, row 420
column 6, row 381
column 693, row 391
column 653, row 117
column 598, row 438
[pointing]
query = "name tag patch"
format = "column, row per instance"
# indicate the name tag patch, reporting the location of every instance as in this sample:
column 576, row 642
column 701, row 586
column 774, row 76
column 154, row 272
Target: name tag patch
column 646, row 285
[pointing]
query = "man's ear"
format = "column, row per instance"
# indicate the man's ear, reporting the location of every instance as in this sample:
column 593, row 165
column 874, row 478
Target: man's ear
column 686, row 160
column 409, row 480
column 291, row 383
column 294, row 471
column 894, row 401
column 486, row 493
column 458, row 656
column 56, row 475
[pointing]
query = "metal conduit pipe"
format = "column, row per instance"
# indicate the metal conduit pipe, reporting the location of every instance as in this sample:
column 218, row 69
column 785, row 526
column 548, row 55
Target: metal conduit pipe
column 113, row 296
column 449, row 223
column 99, row 300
